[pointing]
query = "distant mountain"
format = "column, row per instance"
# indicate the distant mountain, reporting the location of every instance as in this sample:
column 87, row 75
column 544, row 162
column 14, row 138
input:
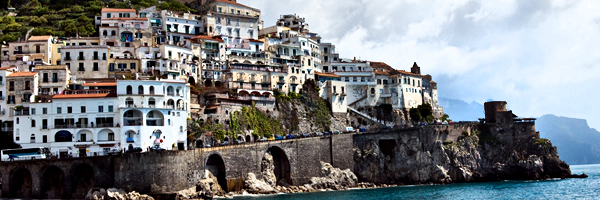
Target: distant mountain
column 577, row 143
column 459, row 110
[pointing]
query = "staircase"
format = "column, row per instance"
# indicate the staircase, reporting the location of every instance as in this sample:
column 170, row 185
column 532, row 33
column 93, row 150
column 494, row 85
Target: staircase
column 363, row 115
column 351, row 104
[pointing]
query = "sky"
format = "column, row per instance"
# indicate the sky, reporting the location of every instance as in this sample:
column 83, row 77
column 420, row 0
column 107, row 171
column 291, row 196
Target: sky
column 541, row 56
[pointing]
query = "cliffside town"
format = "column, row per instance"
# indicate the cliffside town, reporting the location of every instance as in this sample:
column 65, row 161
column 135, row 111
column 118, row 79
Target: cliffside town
column 149, row 71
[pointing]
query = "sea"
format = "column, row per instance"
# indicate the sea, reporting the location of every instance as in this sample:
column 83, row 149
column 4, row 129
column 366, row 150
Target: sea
column 587, row 188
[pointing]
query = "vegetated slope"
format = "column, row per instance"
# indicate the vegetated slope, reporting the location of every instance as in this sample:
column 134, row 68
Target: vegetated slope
column 577, row 143
column 62, row 18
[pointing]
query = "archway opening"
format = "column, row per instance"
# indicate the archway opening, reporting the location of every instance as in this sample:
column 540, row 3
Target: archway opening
column 20, row 184
column 281, row 166
column 52, row 183
column 248, row 138
column 82, row 180
column 216, row 166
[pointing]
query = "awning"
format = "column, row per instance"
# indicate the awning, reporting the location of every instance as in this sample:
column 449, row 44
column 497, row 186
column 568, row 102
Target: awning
column 64, row 134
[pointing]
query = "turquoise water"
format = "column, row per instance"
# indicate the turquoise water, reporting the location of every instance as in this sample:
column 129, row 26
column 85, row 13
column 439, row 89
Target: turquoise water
column 588, row 188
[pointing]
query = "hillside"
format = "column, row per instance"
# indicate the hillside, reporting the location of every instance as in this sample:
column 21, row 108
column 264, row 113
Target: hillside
column 459, row 110
column 577, row 143
column 64, row 18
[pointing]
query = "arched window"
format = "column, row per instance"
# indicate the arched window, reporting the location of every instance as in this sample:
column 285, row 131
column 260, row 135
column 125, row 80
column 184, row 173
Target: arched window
column 104, row 32
column 294, row 52
column 152, row 102
column 113, row 33
column 151, row 89
column 32, row 139
column 140, row 89
column 129, row 89
column 129, row 102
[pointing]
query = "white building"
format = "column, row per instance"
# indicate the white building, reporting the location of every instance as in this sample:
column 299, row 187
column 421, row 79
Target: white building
column 153, row 113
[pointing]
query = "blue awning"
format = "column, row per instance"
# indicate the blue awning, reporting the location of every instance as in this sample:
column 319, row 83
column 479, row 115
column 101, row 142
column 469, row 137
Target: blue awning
column 64, row 134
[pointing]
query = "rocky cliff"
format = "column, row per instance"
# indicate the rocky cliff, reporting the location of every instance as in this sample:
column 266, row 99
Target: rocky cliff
column 458, row 153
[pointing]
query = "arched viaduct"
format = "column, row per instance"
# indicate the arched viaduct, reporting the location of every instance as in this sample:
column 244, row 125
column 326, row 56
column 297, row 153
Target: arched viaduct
column 296, row 161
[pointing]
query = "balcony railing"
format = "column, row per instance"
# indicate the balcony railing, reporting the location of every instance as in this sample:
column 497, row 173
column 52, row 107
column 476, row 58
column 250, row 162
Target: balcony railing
column 130, row 140
column 67, row 58
column 71, row 126
column 250, row 87
column 7, row 129
column 21, row 112
column 81, row 58
column 281, row 81
column 1, row 98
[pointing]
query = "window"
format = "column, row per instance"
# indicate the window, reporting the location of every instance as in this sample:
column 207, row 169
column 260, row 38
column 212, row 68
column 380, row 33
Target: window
column 32, row 139
column 95, row 66
column 44, row 111
column 378, row 81
column 82, row 109
column 111, row 67
column 132, row 65
column 58, row 110
column 45, row 138
column 68, row 66
column 32, row 111
column 220, row 10
column 32, row 123
column 17, row 120
column 103, row 56
column 232, row 12
column 81, row 68
column 44, row 124
column 110, row 108
column 69, row 109
column 27, row 85
column 129, row 89
column 11, row 86
column 418, row 83
column 100, row 108
column 95, row 55
column 151, row 89
column 140, row 89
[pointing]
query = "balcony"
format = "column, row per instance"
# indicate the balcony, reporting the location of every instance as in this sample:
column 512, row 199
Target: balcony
column 67, row 58
column 280, row 81
column 1, row 98
column 96, row 58
column 81, row 58
column 385, row 95
column 83, row 143
column 130, row 140
column 250, row 87
column 21, row 112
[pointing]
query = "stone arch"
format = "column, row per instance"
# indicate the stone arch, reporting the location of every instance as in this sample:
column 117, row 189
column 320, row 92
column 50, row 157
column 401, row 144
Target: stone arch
column 132, row 118
column 20, row 183
column 281, row 165
column 52, row 182
column 84, row 135
column 208, row 83
column 240, row 138
column 216, row 165
column 155, row 118
column 82, row 180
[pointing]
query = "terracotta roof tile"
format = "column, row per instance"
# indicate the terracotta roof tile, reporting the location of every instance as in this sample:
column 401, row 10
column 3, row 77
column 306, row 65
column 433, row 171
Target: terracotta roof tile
column 51, row 67
column 117, row 10
column 81, row 96
column 100, row 84
column 327, row 75
column 22, row 74
column 253, row 40
column 408, row 73
column 5, row 68
column 206, row 37
column 39, row 38
column 385, row 67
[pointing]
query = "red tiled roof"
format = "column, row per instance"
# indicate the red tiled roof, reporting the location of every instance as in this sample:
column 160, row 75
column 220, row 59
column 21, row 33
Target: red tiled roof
column 384, row 66
column 5, row 68
column 117, row 10
column 22, row 74
column 232, row 3
column 81, row 96
column 408, row 73
column 253, row 40
column 99, row 84
column 327, row 75
column 39, row 38
column 206, row 37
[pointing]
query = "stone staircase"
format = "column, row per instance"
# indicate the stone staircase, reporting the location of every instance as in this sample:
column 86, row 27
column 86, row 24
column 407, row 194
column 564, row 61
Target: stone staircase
column 365, row 116
column 362, row 98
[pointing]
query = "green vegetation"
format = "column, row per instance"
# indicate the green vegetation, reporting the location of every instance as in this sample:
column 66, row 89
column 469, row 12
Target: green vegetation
column 62, row 18
column 422, row 112
column 253, row 119
column 543, row 142
column 445, row 117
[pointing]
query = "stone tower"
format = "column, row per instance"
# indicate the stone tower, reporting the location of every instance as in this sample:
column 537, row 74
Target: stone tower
column 415, row 69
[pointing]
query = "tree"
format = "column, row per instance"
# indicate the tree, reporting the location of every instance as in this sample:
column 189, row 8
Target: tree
column 445, row 117
column 425, row 110
column 415, row 115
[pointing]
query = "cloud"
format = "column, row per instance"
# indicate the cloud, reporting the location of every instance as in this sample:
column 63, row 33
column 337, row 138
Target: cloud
column 540, row 56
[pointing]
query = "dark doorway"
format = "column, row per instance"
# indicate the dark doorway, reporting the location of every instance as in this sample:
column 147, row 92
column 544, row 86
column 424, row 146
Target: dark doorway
column 52, row 183
column 282, row 166
column 20, row 184
column 216, row 166
column 248, row 138
column 180, row 146
column 82, row 180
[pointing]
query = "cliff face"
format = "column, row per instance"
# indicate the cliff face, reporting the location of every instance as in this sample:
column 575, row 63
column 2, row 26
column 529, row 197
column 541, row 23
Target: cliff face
column 457, row 153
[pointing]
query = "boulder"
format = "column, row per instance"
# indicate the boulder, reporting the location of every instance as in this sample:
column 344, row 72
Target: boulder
column 268, row 170
column 333, row 178
column 209, row 186
column 257, row 186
